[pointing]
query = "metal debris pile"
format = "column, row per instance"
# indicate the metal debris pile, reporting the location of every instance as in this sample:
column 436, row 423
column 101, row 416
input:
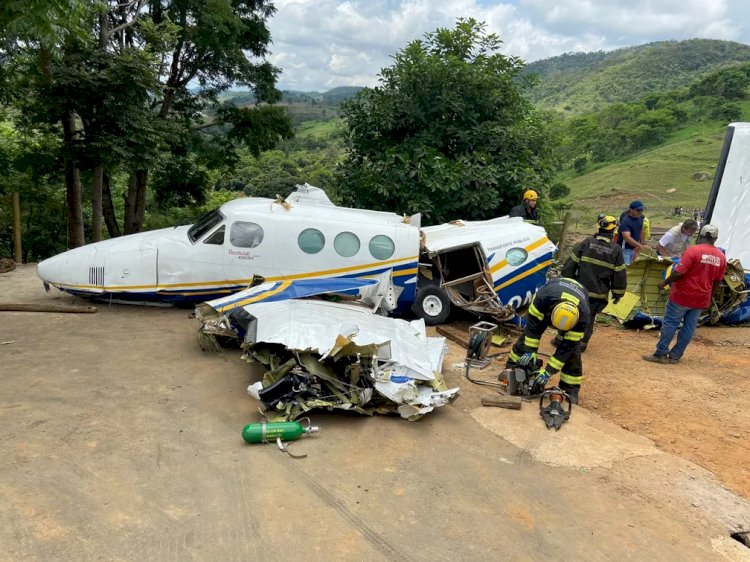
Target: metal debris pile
column 319, row 354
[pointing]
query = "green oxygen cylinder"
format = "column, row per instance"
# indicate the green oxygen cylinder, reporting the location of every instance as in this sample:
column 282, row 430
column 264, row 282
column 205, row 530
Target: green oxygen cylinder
column 269, row 432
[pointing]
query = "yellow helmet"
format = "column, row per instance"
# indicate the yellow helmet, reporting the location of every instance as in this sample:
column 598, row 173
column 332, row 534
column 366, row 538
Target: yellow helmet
column 531, row 194
column 565, row 316
column 607, row 222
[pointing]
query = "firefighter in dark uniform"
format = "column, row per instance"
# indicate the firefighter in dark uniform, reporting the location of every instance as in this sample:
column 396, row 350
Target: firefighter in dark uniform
column 562, row 304
column 527, row 210
column 597, row 263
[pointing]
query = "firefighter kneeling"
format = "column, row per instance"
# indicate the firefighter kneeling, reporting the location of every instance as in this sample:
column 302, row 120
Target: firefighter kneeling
column 562, row 304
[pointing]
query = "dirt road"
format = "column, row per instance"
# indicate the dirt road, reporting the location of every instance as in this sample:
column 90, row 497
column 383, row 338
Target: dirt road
column 120, row 441
column 697, row 409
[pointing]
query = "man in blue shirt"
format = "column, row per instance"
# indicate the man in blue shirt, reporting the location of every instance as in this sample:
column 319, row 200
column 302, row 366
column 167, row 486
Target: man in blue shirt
column 631, row 228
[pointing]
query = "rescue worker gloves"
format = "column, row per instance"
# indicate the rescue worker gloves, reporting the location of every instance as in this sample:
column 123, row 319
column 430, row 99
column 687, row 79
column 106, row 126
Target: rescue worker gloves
column 526, row 359
column 565, row 316
column 542, row 378
column 607, row 222
column 531, row 194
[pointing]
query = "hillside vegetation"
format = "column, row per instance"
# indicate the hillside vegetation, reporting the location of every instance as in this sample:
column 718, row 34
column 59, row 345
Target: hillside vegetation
column 663, row 178
column 638, row 123
column 580, row 82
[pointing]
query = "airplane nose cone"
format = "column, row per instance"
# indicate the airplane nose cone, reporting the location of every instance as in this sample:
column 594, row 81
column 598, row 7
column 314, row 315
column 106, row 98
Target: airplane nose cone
column 49, row 269
column 68, row 268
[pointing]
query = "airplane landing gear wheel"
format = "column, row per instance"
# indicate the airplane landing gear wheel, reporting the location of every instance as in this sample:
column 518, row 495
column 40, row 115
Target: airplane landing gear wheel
column 432, row 305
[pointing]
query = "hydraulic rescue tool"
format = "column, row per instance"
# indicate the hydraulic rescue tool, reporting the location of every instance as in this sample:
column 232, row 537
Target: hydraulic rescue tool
column 554, row 413
column 521, row 379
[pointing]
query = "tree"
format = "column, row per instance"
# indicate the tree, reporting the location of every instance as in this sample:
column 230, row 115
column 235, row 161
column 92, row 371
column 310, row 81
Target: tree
column 205, row 46
column 558, row 191
column 129, row 89
column 447, row 133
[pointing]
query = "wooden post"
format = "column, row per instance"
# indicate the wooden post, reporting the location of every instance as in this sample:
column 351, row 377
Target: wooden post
column 18, row 253
column 563, row 232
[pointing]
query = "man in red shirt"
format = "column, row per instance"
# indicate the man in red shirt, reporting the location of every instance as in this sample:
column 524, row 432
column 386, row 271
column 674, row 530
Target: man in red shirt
column 693, row 281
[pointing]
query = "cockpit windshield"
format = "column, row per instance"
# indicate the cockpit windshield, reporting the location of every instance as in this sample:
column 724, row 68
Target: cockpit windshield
column 204, row 224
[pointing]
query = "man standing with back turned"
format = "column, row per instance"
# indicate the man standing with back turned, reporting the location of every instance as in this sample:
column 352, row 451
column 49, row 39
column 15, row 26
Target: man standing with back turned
column 598, row 265
column 693, row 281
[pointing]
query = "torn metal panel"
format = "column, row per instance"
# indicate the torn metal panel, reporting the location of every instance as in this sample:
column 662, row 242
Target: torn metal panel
column 227, row 317
column 340, row 356
column 488, row 267
column 322, row 327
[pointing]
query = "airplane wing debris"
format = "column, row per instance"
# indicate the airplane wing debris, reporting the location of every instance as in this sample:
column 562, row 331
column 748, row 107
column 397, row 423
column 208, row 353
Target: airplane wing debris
column 334, row 355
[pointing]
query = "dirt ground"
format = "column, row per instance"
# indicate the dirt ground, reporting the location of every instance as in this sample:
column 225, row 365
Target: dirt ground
column 120, row 441
column 696, row 409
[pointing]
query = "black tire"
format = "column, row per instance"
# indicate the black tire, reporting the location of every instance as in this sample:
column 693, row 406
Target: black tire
column 432, row 305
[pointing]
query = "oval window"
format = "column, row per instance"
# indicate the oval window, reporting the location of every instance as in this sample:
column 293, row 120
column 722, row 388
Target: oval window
column 346, row 244
column 382, row 247
column 311, row 240
column 245, row 234
column 516, row 256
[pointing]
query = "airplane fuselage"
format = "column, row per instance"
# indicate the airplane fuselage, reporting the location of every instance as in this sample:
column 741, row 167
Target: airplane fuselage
column 304, row 237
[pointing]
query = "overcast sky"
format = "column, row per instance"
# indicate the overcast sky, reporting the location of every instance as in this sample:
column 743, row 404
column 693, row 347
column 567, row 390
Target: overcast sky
column 321, row 44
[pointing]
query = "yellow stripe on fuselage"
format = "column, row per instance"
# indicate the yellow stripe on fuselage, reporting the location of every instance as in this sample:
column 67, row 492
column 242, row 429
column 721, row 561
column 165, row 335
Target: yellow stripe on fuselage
column 529, row 248
column 309, row 275
column 522, row 275
column 284, row 286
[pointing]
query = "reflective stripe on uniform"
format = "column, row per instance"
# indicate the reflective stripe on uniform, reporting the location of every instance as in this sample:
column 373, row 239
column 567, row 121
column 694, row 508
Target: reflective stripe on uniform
column 571, row 379
column 598, row 295
column 531, row 342
column 573, row 336
column 570, row 298
column 534, row 311
column 554, row 363
column 575, row 258
column 513, row 356
column 620, row 267
column 595, row 261
column 618, row 292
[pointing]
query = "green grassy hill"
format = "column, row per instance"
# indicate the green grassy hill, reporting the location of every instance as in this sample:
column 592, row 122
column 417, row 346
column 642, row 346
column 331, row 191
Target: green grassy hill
column 579, row 82
column 663, row 178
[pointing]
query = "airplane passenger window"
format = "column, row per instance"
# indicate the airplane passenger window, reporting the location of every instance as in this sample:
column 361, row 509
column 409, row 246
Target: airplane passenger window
column 311, row 240
column 382, row 247
column 516, row 256
column 245, row 234
column 346, row 244
column 217, row 237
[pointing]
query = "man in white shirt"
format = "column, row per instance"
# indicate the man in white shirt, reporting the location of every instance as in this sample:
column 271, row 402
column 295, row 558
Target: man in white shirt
column 676, row 240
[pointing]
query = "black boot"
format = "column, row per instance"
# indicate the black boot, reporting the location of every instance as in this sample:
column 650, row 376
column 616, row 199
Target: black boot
column 571, row 391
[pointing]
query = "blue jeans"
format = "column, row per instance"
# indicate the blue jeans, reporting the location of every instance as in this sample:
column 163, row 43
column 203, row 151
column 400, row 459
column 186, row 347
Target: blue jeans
column 629, row 255
column 673, row 314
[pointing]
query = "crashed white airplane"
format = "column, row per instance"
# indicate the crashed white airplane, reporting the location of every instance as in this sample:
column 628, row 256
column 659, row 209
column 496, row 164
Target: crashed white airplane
column 489, row 267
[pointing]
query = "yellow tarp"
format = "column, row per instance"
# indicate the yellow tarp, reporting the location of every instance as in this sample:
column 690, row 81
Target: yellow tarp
column 622, row 309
